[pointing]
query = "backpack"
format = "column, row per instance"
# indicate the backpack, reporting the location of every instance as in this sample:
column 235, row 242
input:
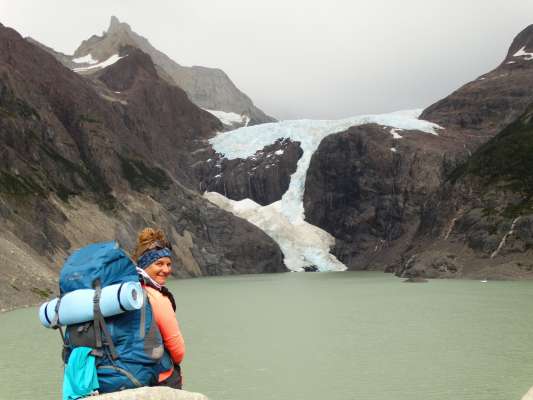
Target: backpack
column 128, row 347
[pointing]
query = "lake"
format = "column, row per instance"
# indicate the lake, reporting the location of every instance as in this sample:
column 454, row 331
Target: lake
column 321, row 336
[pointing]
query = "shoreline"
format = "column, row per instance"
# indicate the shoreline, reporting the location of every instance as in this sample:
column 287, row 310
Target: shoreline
column 5, row 310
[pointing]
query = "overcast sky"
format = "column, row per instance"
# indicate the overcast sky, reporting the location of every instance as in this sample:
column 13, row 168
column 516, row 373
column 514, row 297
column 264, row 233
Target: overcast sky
column 304, row 58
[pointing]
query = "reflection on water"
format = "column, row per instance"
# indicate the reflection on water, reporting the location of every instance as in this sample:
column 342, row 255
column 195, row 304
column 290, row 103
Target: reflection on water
column 334, row 336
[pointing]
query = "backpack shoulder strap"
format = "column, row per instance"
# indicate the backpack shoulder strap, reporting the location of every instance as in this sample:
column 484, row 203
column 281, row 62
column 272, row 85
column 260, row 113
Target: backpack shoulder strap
column 142, row 323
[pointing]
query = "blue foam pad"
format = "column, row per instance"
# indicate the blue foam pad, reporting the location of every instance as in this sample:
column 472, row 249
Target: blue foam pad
column 77, row 306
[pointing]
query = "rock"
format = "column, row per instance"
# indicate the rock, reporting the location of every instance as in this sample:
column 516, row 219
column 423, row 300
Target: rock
column 369, row 197
column 61, row 57
column 151, row 393
column 263, row 178
column 431, row 264
column 484, row 211
column 528, row 395
column 483, row 107
column 416, row 279
column 177, row 128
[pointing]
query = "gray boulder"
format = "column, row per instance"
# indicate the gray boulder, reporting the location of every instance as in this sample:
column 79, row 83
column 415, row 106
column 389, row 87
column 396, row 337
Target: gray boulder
column 151, row 393
column 528, row 395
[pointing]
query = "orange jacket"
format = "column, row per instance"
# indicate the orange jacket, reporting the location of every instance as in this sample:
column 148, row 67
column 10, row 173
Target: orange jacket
column 167, row 323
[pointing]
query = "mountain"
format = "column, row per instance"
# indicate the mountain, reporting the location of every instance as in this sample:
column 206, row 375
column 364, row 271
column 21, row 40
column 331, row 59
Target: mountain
column 64, row 59
column 374, row 190
column 368, row 184
column 91, row 159
column 255, row 155
column 483, row 107
column 479, row 224
column 209, row 88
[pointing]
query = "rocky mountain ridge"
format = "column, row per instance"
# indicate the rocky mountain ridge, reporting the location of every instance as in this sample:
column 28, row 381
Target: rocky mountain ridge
column 481, row 108
column 209, row 88
column 263, row 178
column 479, row 224
column 82, row 163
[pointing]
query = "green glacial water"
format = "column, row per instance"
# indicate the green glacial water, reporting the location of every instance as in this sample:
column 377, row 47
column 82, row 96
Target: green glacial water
column 322, row 336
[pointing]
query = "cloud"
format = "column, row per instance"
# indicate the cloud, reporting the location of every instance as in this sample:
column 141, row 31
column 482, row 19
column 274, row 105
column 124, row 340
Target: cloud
column 305, row 58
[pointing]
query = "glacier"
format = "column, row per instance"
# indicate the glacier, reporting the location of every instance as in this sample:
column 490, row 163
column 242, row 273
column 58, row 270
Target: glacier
column 302, row 244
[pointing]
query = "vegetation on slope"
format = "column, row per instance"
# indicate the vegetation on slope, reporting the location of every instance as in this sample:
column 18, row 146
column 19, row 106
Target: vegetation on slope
column 506, row 162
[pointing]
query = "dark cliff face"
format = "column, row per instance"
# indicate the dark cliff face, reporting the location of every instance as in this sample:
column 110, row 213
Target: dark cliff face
column 481, row 221
column 81, row 163
column 169, row 126
column 483, row 107
column 264, row 177
column 367, row 195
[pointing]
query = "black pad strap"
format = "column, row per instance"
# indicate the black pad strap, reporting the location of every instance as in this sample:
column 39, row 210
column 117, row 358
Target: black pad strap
column 118, row 297
column 97, row 314
column 55, row 321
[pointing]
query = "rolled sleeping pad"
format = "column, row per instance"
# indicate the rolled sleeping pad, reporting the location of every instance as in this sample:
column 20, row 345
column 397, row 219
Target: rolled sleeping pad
column 77, row 306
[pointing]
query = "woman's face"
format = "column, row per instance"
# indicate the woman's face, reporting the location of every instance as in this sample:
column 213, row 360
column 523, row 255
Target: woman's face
column 160, row 270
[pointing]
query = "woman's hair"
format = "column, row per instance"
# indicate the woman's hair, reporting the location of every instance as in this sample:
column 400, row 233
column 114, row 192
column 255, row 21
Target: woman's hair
column 146, row 238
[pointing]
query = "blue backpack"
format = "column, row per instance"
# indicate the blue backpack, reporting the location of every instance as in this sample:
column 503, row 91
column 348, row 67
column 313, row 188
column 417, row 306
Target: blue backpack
column 128, row 347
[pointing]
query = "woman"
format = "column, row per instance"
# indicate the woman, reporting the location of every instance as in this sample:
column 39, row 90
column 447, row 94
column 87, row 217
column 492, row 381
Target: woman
column 153, row 254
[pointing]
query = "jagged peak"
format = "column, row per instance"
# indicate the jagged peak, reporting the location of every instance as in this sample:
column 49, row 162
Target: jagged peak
column 116, row 26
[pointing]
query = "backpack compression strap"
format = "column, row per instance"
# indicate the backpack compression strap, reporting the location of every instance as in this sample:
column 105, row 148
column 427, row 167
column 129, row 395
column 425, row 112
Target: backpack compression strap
column 55, row 321
column 100, row 327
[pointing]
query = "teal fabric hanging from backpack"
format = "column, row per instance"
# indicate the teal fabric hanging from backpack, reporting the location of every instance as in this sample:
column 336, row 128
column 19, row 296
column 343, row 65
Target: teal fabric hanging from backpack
column 80, row 377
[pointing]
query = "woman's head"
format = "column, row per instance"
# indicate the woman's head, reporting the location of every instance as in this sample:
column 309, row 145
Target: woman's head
column 153, row 253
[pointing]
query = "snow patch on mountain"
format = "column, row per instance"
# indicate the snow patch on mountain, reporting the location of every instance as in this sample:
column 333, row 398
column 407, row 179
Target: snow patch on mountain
column 245, row 142
column 110, row 61
column 230, row 118
column 303, row 244
column 88, row 59
column 523, row 53
column 395, row 134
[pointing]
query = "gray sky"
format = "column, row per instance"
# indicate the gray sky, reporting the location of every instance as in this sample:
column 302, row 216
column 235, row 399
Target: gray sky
column 304, row 58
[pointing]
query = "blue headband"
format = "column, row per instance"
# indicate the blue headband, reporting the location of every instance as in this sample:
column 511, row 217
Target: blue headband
column 151, row 256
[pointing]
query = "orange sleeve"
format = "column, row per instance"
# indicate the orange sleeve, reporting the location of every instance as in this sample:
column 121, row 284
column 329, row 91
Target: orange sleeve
column 167, row 323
